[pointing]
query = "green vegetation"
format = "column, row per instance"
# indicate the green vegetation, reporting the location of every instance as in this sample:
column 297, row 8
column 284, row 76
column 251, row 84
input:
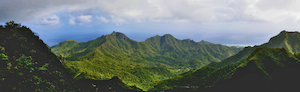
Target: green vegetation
column 258, row 60
column 200, row 78
column 65, row 47
column 27, row 64
column 269, row 59
column 239, row 57
column 161, row 63
column 263, row 60
column 138, row 63
column 288, row 40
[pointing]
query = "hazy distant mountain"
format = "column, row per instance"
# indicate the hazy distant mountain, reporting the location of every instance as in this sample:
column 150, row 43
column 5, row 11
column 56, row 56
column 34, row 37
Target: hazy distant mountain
column 139, row 63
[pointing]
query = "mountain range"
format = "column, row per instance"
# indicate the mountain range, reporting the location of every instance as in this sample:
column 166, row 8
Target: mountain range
column 27, row 64
column 288, row 40
column 163, row 47
column 138, row 63
column 116, row 63
column 271, row 66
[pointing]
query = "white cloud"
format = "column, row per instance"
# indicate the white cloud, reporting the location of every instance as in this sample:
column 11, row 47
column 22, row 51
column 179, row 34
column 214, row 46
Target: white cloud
column 50, row 20
column 85, row 18
column 275, row 11
column 178, row 10
column 72, row 21
column 157, row 10
column 117, row 21
column 80, row 19
column 102, row 19
column 213, row 16
column 32, row 10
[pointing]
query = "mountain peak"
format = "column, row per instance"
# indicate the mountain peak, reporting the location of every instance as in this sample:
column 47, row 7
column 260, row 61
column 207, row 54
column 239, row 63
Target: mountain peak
column 204, row 42
column 70, row 41
column 284, row 35
column 288, row 32
column 293, row 33
column 120, row 35
column 117, row 33
column 188, row 39
column 284, row 39
column 168, row 35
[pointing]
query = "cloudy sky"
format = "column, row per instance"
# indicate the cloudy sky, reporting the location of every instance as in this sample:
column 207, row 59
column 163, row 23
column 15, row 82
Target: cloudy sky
column 247, row 22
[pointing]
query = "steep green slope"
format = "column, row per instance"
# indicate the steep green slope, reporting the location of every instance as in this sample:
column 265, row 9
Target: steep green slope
column 239, row 57
column 117, row 55
column 263, row 70
column 27, row 64
column 64, row 47
column 288, row 40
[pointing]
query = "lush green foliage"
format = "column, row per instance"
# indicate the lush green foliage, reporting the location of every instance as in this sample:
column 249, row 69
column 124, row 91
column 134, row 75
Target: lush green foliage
column 138, row 63
column 200, row 78
column 288, row 40
column 269, row 59
column 65, row 47
column 182, row 53
column 116, row 63
column 27, row 64
column 266, row 60
column 239, row 57
column 263, row 60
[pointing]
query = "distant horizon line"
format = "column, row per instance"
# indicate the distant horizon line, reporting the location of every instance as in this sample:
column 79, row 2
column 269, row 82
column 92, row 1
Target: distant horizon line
column 239, row 45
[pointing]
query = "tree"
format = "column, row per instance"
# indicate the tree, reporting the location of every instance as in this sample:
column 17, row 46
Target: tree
column 12, row 24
